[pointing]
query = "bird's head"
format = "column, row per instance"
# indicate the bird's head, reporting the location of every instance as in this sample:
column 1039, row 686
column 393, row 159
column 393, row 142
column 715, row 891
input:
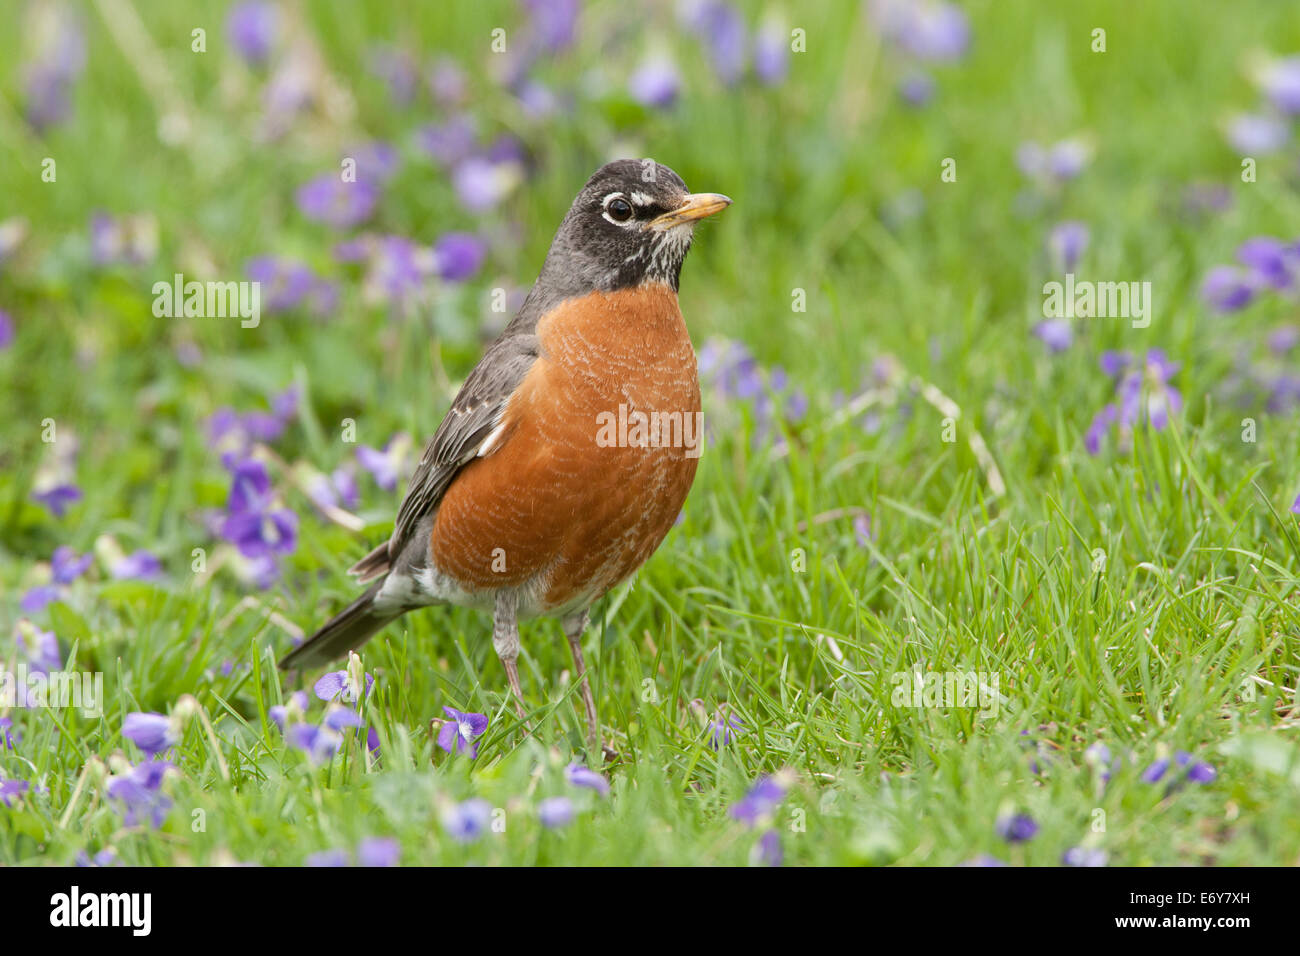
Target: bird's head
column 632, row 223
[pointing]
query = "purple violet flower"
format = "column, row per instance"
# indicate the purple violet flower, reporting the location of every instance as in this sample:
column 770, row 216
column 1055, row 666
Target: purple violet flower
column 448, row 143
column 334, row 489
column 1151, row 380
column 327, row 859
column 1056, row 334
column 1099, row 758
column 7, row 735
column 37, row 599
column 251, row 28
column 49, row 78
column 459, row 255
column 447, row 82
column 387, row 465
column 720, row 25
column 1280, row 82
column 538, row 100
column 761, row 801
column 916, row 88
column 655, row 82
column 553, row 23
column 105, row 857
column 379, row 852
column 331, row 685
column 767, row 851
column 555, row 812
column 466, row 822
column 723, row 729
column 1066, row 243
column 924, row 29
column 771, row 52
column 482, row 183
column 579, row 776
column 340, row 204
column 339, row 686
column 731, row 368
column 10, row 790
column 139, row 793
column 461, row 732
column 1083, row 856
column 399, row 270
column 320, row 744
column 1197, row 771
column 289, row 285
column 153, row 733
column 40, row 648
column 125, row 240
column 863, row 533
column 1257, row 134
column 1055, row 164
column 280, row 713
column 230, row 432
column 1155, row 772
column 140, row 566
column 339, row 718
column 398, row 70
column 1016, row 828
column 1271, row 262
column 1283, row 339
column 252, row 523
column 58, row 498
column 377, row 161
column 66, row 565
column 796, row 406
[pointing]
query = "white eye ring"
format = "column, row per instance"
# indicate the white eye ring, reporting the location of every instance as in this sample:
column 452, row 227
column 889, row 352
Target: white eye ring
column 608, row 201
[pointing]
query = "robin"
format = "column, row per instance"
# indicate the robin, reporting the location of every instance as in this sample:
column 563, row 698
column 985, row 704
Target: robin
column 549, row 482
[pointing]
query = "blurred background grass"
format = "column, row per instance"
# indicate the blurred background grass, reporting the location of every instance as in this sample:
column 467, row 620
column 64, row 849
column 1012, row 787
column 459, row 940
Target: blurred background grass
column 821, row 165
column 837, row 185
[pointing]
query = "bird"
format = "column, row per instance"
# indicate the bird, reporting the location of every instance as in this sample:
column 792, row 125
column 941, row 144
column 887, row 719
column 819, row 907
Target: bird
column 535, row 497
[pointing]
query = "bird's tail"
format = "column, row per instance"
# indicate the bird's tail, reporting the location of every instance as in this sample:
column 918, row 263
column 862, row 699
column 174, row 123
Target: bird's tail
column 346, row 631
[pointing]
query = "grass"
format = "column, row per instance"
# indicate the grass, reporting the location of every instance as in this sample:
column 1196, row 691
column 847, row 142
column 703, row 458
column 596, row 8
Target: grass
column 1144, row 597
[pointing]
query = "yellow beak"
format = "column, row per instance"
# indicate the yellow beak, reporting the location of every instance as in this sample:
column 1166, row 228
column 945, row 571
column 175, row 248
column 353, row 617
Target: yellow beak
column 696, row 206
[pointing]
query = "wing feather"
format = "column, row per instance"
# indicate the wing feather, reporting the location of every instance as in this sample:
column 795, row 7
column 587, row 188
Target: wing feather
column 472, row 419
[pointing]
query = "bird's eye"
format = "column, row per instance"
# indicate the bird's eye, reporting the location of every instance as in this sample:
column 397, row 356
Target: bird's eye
column 620, row 210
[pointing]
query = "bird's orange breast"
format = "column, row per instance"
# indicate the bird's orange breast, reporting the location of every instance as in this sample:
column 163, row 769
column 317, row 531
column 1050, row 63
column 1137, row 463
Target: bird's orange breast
column 597, row 454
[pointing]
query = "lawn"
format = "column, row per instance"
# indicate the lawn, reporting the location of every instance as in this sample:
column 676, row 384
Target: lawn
column 956, row 582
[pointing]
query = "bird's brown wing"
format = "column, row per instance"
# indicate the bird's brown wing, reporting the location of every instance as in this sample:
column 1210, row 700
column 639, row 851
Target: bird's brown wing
column 476, row 411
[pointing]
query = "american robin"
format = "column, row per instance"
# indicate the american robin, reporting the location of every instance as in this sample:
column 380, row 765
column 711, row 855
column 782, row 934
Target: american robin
column 567, row 454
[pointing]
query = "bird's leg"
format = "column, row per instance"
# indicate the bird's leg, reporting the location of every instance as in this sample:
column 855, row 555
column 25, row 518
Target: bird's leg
column 505, row 638
column 573, row 628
